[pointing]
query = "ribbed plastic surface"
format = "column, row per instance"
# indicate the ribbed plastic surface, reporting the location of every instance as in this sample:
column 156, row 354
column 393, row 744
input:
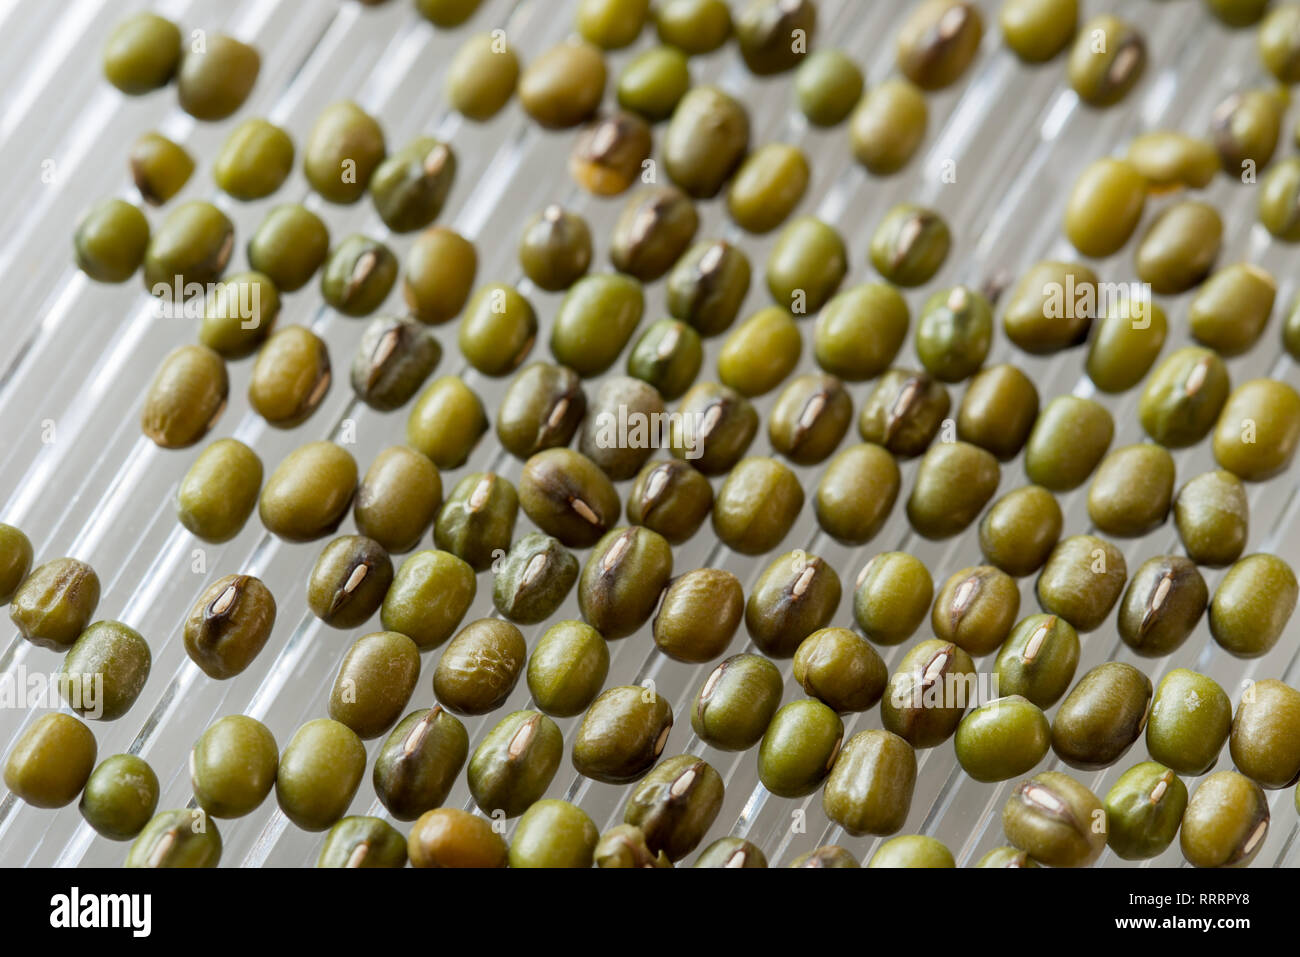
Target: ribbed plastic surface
column 78, row 476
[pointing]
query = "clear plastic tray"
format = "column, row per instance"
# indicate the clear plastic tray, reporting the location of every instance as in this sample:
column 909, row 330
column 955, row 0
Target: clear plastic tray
column 78, row 476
